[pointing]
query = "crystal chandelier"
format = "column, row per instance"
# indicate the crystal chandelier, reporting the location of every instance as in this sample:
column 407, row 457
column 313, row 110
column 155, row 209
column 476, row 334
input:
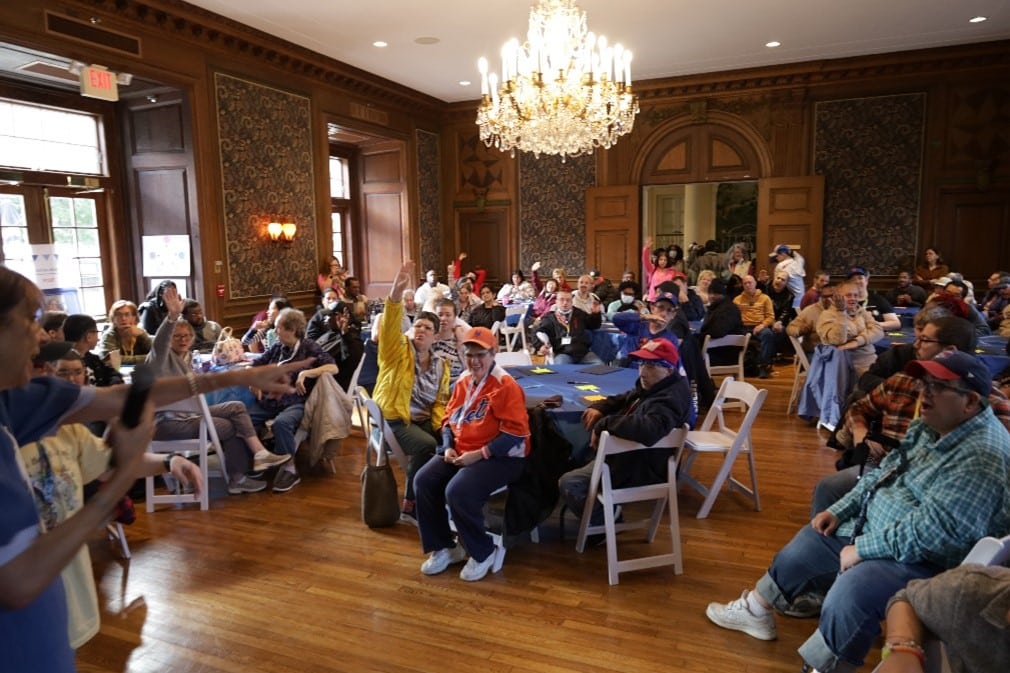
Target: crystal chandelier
column 564, row 91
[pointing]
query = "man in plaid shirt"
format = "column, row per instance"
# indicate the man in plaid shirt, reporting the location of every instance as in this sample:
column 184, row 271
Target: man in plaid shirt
column 918, row 514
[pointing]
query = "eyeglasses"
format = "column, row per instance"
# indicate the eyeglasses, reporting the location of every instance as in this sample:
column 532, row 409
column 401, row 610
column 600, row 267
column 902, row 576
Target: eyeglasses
column 933, row 387
column 927, row 340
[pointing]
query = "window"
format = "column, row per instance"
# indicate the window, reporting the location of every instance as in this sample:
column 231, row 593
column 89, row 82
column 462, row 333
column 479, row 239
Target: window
column 340, row 207
column 41, row 138
column 16, row 252
column 75, row 237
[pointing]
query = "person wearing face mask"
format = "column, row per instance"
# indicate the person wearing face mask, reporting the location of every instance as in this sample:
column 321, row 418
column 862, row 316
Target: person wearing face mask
column 565, row 331
column 319, row 322
column 628, row 300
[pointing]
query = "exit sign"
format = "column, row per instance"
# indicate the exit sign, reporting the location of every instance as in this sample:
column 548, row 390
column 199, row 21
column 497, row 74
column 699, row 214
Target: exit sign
column 97, row 82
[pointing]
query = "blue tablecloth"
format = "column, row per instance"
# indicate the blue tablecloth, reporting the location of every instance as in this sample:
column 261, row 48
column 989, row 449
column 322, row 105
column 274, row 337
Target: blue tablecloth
column 566, row 380
column 906, row 314
column 991, row 350
column 607, row 342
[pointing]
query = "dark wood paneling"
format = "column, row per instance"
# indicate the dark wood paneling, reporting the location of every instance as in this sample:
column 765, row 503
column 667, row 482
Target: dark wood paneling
column 612, row 230
column 157, row 191
column 382, row 167
column 791, row 211
column 974, row 234
column 483, row 235
column 158, row 129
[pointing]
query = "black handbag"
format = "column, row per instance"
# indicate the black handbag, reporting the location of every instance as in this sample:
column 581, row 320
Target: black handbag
column 379, row 503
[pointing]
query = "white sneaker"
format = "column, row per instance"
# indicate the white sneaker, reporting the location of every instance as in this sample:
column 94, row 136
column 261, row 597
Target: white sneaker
column 439, row 560
column 476, row 570
column 738, row 617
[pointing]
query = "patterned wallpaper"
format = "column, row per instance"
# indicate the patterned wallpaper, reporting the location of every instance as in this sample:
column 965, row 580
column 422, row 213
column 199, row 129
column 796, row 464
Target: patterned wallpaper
column 870, row 151
column 552, row 226
column 266, row 170
column 428, row 191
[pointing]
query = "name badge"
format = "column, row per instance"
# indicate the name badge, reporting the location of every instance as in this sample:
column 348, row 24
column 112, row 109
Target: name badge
column 566, row 341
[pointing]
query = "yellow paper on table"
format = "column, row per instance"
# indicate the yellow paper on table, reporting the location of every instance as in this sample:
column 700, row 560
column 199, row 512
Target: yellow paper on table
column 895, row 334
column 541, row 370
column 593, row 398
column 587, row 387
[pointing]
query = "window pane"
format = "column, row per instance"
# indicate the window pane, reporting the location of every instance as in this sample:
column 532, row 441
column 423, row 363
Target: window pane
column 84, row 213
column 93, row 300
column 12, row 210
column 42, row 138
column 87, row 242
column 91, row 271
column 61, row 212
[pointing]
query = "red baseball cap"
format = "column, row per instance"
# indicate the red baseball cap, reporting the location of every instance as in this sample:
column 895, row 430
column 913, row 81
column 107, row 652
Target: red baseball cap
column 658, row 350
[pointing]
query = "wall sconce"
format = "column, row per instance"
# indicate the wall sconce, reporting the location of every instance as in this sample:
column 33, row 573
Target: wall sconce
column 283, row 233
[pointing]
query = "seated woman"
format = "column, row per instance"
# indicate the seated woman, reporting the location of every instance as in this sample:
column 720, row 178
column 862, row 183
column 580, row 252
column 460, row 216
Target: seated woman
column 518, row 291
column 705, row 279
column 170, row 356
column 412, row 387
column 485, row 439
column 465, row 301
column 332, row 274
column 261, row 334
column 628, row 300
column 544, row 303
column 287, row 410
column 124, row 336
column 487, row 313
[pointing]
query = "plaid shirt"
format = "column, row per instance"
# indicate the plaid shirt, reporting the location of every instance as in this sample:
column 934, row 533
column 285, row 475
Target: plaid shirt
column 896, row 403
column 953, row 493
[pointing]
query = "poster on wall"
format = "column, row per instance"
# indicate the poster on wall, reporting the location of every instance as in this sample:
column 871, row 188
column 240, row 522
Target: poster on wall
column 166, row 255
column 46, row 260
column 63, row 299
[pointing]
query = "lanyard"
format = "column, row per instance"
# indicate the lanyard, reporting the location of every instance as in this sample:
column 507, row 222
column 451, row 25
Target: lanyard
column 470, row 398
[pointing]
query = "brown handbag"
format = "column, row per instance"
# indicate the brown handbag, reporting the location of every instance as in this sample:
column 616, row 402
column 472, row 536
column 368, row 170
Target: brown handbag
column 379, row 503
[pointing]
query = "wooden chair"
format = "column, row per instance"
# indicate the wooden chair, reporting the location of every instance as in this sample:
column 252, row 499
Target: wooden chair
column 663, row 494
column 199, row 446
column 802, row 363
column 515, row 335
column 730, row 443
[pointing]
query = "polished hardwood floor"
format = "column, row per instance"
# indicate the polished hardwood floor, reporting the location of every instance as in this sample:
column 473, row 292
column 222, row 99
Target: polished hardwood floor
column 296, row 582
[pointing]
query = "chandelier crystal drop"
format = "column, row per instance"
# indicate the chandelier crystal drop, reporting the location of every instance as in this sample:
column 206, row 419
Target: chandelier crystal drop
column 564, row 91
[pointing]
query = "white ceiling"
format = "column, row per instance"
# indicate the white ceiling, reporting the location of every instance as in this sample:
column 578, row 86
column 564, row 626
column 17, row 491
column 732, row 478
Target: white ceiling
column 667, row 37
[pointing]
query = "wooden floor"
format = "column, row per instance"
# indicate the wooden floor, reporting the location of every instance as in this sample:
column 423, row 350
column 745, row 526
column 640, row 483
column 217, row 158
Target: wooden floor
column 296, row 582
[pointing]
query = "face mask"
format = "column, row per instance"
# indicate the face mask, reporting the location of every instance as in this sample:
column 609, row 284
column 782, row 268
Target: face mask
column 627, row 298
column 331, row 305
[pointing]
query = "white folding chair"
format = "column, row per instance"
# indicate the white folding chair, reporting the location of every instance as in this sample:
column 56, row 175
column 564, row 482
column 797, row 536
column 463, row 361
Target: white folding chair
column 730, row 443
column 199, row 446
column 664, row 495
column 513, row 358
column 736, row 369
column 515, row 335
column 802, row 363
column 380, row 435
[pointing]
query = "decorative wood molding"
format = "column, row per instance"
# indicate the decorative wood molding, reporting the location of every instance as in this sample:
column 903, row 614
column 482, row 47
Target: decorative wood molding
column 184, row 21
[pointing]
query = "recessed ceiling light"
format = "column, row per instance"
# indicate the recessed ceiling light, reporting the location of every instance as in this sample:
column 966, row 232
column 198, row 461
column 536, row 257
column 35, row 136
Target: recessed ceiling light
column 773, row 44
column 977, row 19
column 464, row 82
column 380, row 44
column 426, row 40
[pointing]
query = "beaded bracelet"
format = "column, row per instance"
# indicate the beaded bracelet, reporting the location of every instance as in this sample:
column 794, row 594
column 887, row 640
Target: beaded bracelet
column 194, row 389
column 908, row 647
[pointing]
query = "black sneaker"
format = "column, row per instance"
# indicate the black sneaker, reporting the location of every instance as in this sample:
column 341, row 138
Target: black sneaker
column 285, row 481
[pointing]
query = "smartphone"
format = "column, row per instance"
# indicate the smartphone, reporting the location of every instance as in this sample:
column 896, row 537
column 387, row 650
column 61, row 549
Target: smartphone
column 136, row 396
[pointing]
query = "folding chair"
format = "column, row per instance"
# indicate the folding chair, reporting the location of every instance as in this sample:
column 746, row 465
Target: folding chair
column 726, row 441
column 380, row 435
column 206, row 437
column 664, row 494
column 513, row 358
column 741, row 341
column 515, row 334
column 802, row 363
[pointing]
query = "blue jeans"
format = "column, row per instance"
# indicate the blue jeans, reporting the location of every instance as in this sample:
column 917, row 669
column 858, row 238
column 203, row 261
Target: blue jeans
column 766, row 340
column 590, row 358
column 286, row 422
column 855, row 600
column 464, row 490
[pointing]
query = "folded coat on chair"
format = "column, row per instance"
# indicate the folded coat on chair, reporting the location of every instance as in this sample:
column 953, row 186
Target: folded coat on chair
column 327, row 415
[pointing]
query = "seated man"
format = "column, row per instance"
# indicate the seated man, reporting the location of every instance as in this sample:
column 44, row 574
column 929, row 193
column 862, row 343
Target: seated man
column 782, row 303
column 758, row 316
column 892, row 406
column 409, row 312
column 997, row 306
column 906, row 294
column 319, row 322
column 652, row 323
column 628, row 293
column 874, row 303
column 584, row 298
column 722, row 319
column 287, row 410
column 660, row 402
column 813, row 295
column 82, row 331
column 207, row 331
column 850, row 327
column 565, row 331
column 341, row 338
column 916, row 515
column 805, row 324
column 358, row 301
column 430, row 291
